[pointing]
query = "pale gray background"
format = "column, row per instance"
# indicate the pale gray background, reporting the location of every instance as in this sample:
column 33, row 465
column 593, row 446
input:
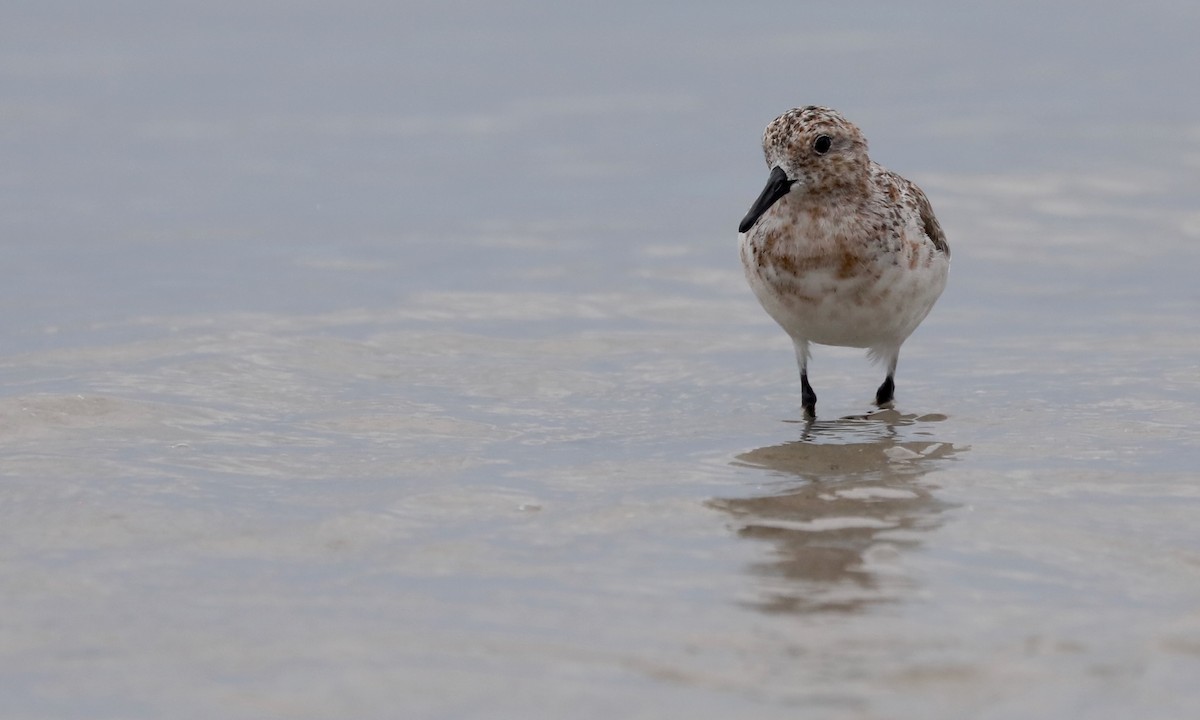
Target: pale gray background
column 393, row 360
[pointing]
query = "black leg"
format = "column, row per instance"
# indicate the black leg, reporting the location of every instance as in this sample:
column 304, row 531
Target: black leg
column 886, row 392
column 808, row 398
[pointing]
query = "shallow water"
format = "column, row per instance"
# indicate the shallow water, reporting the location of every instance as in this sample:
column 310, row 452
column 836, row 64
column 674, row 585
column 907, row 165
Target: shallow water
column 396, row 361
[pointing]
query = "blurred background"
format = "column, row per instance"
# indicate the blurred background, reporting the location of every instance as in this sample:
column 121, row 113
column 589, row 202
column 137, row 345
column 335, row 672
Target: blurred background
column 394, row 358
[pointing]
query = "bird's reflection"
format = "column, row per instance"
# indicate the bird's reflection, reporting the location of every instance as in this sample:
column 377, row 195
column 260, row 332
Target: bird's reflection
column 851, row 499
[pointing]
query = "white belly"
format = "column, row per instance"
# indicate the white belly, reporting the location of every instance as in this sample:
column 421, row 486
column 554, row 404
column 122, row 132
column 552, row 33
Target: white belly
column 878, row 306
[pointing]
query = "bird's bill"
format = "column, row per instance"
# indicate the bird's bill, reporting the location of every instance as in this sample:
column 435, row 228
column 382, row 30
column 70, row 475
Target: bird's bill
column 778, row 185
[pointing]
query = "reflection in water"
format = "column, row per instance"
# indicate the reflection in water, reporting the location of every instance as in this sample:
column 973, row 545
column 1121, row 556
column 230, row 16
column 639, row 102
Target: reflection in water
column 852, row 498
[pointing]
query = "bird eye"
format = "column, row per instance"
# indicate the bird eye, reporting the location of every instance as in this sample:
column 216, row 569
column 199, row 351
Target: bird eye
column 822, row 145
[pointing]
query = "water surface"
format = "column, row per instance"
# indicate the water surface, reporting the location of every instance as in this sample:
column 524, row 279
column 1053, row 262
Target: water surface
column 395, row 360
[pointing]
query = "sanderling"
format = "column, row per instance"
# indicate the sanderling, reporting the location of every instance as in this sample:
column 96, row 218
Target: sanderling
column 838, row 249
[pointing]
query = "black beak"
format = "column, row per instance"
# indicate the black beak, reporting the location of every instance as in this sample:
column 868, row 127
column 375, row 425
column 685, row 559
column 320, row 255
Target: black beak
column 778, row 185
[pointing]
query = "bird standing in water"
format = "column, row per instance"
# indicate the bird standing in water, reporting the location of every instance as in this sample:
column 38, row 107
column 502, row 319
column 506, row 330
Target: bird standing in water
column 838, row 249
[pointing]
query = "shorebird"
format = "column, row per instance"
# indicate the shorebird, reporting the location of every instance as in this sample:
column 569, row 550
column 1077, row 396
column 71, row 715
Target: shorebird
column 838, row 249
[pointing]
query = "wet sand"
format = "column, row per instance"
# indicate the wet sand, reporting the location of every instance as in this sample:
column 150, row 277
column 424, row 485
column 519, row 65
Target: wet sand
column 300, row 418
